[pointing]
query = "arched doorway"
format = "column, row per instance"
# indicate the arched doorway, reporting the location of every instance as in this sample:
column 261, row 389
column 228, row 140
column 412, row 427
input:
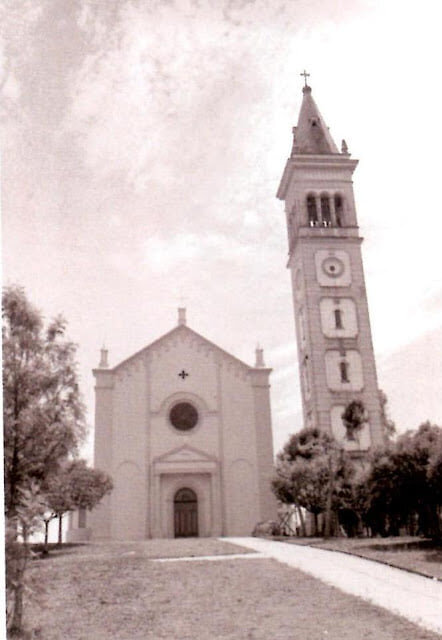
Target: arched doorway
column 185, row 510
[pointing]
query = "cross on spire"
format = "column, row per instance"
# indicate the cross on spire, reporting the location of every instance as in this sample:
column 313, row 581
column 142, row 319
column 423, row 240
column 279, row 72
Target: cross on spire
column 306, row 75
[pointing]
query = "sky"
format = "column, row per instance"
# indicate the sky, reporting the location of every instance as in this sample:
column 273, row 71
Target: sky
column 142, row 147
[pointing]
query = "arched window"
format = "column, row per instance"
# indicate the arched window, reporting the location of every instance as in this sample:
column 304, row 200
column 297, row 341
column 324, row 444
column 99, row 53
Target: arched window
column 338, row 319
column 339, row 210
column 312, row 213
column 325, row 211
column 343, row 367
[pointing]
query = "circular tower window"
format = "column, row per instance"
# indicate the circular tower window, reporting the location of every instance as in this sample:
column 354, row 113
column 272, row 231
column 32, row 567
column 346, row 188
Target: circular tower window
column 183, row 416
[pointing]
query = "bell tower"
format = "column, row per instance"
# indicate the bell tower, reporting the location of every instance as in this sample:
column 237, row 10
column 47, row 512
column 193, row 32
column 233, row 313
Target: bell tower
column 335, row 351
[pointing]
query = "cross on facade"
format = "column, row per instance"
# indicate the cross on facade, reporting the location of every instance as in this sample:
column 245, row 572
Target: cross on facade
column 183, row 374
column 306, row 75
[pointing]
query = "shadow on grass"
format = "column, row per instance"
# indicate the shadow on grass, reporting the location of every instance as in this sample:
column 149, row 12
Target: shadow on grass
column 434, row 556
column 54, row 549
column 414, row 545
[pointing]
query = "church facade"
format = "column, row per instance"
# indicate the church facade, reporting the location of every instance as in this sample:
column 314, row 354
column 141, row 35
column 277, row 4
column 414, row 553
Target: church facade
column 335, row 351
column 184, row 430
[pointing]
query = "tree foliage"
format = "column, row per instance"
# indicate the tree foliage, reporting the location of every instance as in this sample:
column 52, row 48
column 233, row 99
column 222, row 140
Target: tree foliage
column 75, row 486
column 402, row 487
column 313, row 472
column 42, row 409
column 388, row 426
column 354, row 417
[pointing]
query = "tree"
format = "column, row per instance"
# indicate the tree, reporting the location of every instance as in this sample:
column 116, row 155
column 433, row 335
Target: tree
column 88, row 486
column 58, row 501
column 354, row 418
column 312, row 471
column 402, row 487
column 434, row 474
column 388, row 425
column 17, row 529
column 42, row 409
column 76, row 486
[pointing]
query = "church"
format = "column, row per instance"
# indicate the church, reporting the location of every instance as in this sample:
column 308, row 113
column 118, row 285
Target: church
column 184, row 430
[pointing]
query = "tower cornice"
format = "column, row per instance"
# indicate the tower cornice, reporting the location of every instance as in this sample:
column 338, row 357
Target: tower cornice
column 348, row 235
column 313, row 161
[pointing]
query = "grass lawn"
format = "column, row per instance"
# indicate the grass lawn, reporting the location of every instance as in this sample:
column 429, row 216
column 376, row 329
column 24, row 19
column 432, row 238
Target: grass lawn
column 117, row 591
column 414, row 554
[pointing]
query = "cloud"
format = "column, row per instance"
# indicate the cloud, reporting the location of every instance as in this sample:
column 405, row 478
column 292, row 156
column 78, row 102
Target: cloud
column 165, row 253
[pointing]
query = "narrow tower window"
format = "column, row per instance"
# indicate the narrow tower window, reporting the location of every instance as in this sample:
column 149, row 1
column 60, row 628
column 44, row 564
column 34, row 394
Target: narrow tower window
column 312, row 214
column 339, row 210
column 343, row 367
column 338, row 319
column 325, row 211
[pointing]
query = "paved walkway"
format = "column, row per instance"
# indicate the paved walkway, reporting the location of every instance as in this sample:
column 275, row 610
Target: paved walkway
column 406, row 594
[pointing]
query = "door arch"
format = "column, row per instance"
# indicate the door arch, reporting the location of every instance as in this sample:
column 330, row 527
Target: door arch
column 185, row 513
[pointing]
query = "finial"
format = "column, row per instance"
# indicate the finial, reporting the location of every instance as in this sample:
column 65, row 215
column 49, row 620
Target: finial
column 182, row 316
column 259, row 352
column 306, row 75
column 344, row 147
column 103, row 360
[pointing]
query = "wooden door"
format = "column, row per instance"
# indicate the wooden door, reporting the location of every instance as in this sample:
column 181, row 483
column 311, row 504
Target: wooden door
column 185, row 513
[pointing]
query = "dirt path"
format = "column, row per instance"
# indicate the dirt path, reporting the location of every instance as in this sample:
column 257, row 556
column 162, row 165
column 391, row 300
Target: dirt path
column 412, row 596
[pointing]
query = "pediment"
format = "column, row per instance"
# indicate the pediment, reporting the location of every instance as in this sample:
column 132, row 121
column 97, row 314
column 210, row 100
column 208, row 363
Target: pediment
column 183, row 333
column 185, row 454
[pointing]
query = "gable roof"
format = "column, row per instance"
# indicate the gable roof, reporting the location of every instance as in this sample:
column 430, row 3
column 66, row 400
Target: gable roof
column 176, row 331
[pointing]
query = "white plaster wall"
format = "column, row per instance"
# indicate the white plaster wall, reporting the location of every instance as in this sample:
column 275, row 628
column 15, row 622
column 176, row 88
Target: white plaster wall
column 129, row 503
column 348, row 316
column 129, row 432
column 183, row 351
column 242, row 514
column 353, row 358
column 239, row 460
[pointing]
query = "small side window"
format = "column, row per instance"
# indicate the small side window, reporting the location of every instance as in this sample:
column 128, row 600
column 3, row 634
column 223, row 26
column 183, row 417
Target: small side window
column 338, row 319
column 343, row 366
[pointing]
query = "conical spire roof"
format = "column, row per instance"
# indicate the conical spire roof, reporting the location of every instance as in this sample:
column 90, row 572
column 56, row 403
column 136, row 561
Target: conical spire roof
column 312, row 134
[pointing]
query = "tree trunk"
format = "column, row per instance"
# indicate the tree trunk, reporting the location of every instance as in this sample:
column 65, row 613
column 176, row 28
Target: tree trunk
column 328, row 504
column 16, row 625
column 17, row 565
column 60, row 528
column 46, row 540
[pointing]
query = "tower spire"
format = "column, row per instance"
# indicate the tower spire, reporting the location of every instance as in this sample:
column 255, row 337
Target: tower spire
column 311, row 135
